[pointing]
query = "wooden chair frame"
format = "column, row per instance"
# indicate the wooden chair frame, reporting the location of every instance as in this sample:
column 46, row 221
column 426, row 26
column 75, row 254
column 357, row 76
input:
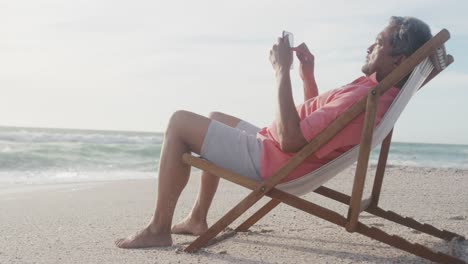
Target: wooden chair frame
column 356, row 204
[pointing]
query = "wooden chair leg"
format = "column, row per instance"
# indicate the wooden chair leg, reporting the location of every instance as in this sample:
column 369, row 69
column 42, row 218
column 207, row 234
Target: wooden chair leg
column 413, row 224
column 363, row 160
column 403, row 244
column 258, row 215
column 380, row 171
column 392, row 216
column 226, row 220
column 371, row 232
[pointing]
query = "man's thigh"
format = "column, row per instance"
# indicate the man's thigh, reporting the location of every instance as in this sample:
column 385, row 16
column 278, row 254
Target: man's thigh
column 248, row 127
column 233, row 149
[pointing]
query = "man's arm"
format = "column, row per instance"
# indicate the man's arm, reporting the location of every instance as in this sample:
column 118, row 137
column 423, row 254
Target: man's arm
column 310, row 89
column 287, row 120
column 306, row 68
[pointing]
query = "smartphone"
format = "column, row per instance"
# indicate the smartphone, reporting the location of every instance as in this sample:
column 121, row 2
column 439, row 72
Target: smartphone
column 290, row 37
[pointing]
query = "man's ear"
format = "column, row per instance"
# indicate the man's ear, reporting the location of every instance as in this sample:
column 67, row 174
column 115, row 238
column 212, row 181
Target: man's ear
column 397, row 60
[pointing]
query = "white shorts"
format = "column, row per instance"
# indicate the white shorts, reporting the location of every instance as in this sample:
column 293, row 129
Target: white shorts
column 237, row 149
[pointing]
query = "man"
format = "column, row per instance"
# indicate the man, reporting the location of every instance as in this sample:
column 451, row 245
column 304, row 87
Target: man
column 234, row 144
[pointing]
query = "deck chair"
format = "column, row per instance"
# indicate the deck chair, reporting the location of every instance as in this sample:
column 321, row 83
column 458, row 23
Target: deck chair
column 423, row 65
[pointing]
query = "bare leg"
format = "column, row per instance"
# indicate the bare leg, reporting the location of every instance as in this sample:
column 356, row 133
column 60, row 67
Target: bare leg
column 195, row 223
column 185, row 133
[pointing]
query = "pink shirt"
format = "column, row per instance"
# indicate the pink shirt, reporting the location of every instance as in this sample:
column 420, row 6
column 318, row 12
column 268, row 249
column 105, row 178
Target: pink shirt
column 316, row 114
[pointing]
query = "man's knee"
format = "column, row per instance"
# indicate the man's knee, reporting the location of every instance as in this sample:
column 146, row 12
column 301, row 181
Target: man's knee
column 218, row 116
column 177, row 118
column 224, row 118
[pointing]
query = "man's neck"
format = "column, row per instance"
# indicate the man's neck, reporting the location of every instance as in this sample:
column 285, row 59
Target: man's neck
column 379, row 78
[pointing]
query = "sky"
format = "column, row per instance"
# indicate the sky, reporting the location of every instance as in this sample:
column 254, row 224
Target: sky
column 128, row 65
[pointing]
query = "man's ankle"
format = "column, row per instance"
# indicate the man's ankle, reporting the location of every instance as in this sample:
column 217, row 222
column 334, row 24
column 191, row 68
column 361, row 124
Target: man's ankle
column 197, row 217
column 157, row 229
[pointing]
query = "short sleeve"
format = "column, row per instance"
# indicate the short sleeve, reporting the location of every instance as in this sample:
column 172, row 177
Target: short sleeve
column 318, row 120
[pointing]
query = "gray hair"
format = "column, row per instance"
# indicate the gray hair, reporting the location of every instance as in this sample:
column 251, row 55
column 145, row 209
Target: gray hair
column 409, row 35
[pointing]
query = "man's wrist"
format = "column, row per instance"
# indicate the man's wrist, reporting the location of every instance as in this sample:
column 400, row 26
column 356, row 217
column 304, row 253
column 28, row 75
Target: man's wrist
column 310, row 79
column 282, row 72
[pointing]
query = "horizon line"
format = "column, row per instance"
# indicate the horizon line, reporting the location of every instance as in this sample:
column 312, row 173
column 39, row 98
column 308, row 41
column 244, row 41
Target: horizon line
column 160, row 132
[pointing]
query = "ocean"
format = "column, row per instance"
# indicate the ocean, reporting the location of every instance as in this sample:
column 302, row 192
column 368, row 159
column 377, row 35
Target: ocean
column 39, row 155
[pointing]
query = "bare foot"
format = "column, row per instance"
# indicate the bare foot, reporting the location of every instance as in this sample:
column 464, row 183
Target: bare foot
column 189, row 226
column 144, row 239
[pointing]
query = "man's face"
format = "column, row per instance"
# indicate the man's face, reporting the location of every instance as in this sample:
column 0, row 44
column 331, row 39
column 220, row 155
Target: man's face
column 378, row 58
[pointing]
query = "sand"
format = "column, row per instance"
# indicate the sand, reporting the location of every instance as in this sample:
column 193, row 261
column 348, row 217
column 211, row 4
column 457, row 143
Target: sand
column 77, row 223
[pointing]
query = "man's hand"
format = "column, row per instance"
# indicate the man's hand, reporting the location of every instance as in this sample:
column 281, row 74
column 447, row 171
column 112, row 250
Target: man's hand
column 281, row 55
column 307, row 59
column 306, row 71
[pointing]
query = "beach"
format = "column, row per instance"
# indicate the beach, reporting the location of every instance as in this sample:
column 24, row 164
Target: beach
column 78, row 222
